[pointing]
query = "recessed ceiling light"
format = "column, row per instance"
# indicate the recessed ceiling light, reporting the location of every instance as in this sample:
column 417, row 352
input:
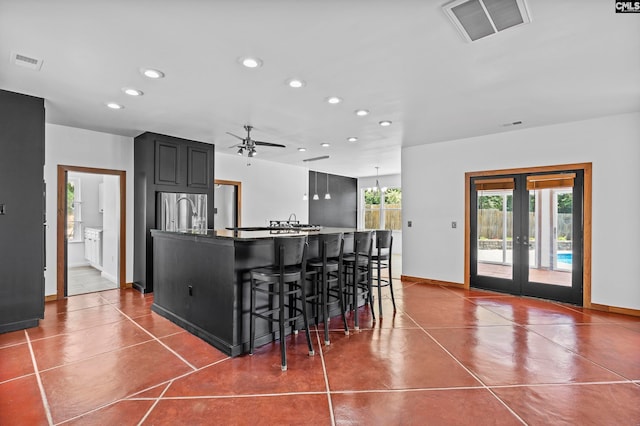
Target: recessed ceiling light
column 302, row 149
column 362, row 112
column 295, row 83
column 132, row 92
column 384, row 123
column 114, row 105
column 325, row 144
column 352, row 139
column 151, row 73
column 250, row 62
column 334, row 100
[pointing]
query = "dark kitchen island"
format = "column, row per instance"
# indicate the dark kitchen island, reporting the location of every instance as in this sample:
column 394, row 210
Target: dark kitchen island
column 201, row 280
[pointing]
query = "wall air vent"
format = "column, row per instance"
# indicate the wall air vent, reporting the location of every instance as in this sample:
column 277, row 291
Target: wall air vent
column 26, row 61
column 476, row 19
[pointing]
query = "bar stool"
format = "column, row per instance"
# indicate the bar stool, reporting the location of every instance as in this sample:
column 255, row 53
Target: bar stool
column 326, row 272
column 381, row 259
column 357, row 265
column 285, row 279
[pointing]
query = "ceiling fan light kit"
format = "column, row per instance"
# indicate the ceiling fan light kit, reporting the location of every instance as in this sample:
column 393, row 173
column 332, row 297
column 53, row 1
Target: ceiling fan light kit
column 249, row 144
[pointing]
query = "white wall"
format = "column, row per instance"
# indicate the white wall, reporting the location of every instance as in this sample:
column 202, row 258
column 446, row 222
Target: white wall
column 224, row 202
column 269, row 190
column 77, row 147
column 111, row 228
column 434, row 195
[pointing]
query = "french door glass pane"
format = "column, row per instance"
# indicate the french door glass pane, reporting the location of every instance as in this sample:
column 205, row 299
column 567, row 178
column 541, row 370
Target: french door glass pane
column 495, row 233
column 550, row 236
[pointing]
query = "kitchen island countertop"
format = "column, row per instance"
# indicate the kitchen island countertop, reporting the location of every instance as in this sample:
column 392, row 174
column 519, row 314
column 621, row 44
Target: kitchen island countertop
column 248, row 235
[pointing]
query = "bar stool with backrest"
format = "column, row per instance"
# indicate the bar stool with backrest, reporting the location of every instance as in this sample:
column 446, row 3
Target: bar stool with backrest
column 326, row 272
column 381, row 259
column 358, row 273
column 283, row 280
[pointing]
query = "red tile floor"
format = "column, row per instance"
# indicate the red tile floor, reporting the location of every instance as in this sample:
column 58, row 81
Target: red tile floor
column 448, row 356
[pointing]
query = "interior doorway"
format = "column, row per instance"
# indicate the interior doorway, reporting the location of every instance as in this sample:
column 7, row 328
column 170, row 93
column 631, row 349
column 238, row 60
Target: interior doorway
column 529, row 233
column 90, row 230
column 227, row 204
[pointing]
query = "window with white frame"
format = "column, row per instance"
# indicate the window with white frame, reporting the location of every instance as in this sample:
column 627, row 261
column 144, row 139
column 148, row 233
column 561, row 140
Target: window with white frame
column 74, row 210
column 383, row 208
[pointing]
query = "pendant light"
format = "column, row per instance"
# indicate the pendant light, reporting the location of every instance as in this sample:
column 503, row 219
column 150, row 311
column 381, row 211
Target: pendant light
column 315, row 194
column 377, row 187
column 327, row 196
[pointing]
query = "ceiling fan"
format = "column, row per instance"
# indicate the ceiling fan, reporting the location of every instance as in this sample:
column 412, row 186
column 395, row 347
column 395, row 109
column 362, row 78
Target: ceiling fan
column 249, row 144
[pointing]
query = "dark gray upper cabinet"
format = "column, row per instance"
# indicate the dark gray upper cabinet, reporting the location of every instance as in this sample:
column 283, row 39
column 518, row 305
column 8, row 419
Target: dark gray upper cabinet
column 167, row 163
column 199, row 167
column 22, row 212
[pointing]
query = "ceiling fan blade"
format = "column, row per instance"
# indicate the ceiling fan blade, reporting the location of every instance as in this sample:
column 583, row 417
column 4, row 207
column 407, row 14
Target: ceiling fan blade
column 277, row 145
column 238, row 145
column 235, row 136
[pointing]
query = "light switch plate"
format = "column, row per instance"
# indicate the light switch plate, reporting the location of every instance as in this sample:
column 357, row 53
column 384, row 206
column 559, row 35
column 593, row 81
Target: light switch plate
column 2, row 210
column 454, row 224
column 409, row 223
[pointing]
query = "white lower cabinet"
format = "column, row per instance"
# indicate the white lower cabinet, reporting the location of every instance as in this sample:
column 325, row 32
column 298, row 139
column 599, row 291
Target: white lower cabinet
column 93, row 246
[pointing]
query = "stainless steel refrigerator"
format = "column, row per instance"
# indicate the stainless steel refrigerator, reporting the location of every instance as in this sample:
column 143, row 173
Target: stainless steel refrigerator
column 181, row 212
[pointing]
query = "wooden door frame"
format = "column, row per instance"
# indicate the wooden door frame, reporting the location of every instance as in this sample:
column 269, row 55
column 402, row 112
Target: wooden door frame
column 61, row 251
column 586, row 213
column 238, row 186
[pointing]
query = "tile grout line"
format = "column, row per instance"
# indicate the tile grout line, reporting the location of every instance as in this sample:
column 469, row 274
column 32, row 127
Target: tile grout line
column 407, row 390
column 16, row 378
column 248, row 395
column 475, row 376
column 45, row 401
column 526, row 327
column 12, row 345
column 132, row 397
column 153, row 337
column 537, row 385
column 153, row 406
column 326, row 377
column 96, row 356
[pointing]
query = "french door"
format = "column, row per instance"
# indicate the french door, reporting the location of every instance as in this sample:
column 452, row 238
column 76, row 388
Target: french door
column 526, row 234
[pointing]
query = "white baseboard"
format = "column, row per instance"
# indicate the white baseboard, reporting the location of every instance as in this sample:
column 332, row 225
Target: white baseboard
column 109, row 277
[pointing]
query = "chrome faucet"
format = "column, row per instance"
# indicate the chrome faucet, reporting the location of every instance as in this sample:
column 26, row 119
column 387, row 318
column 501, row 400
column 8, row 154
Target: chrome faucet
column 292, row 215
column 195, row 222
column 194, row 209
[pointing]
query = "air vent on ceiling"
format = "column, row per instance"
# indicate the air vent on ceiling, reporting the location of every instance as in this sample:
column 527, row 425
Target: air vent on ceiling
column 324, row 157
column 476, row 19
column 26, row 61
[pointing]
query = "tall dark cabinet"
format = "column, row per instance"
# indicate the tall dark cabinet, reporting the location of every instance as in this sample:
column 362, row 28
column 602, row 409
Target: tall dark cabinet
column 21, row 211
column 164, row 164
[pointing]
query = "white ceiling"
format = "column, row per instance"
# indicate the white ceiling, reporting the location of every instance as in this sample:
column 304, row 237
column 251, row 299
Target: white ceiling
column 401, row 59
